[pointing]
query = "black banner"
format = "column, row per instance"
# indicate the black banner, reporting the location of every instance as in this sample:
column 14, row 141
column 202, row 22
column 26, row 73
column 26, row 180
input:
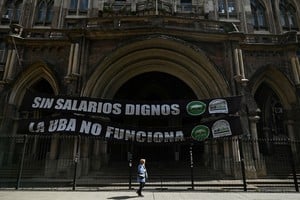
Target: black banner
column 223, row 127
column 116, row 108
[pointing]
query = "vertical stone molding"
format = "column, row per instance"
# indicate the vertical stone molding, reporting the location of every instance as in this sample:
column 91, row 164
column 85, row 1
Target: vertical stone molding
column 73, row 60
column 291, row 134
column 296, row 69
column 51, row 161
column 239, row 65
column 10, row 65
column 253, row 128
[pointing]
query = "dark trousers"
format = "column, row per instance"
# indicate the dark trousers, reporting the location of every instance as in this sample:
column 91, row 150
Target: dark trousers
column 142, row 184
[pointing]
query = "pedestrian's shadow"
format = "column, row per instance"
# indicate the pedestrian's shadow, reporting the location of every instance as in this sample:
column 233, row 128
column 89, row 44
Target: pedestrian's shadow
column 123, row 197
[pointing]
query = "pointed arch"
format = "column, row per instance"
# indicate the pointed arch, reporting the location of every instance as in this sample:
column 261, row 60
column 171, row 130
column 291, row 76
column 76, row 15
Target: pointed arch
column 288, row 15
column 30, row 76
column 12, row 11
column 44, row 12
column 278, row 82
column 259, row 16
column 157, row 54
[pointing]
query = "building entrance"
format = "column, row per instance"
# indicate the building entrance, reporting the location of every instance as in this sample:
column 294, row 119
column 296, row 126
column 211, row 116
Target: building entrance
column 151, row 86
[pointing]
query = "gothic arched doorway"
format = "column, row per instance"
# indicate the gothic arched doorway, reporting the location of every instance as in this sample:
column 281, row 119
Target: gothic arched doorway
column 272, row 112
column 152, row 86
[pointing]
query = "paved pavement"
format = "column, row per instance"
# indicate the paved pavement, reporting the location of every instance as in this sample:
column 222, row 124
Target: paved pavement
column 148, row 195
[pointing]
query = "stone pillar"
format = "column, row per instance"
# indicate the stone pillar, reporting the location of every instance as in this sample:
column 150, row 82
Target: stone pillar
column 76, row 157
column 258, row 167
column 296, row 69
column 253, row 129
column 239, row 65
column 216, row 160
column 291, row 133
column 96, row 161
column 84, row 158
column 236, row 157
column 10, row 65
column 206, row 154
column 103, row 153
column 241, row 62
column 51, row 160
column 236, row 62
column 71, row 55
column 266, row 131
column 227, row 160
column 65, row 160
column 176, row 152
column 74, row 57
column 54, row 147
column 34, row 145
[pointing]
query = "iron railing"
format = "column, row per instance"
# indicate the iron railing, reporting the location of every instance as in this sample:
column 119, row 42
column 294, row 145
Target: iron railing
column 35, row 161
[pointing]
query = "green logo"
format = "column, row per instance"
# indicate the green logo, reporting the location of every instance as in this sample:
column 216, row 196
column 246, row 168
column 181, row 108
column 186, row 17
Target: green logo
column 200, row 132
column 196, row 108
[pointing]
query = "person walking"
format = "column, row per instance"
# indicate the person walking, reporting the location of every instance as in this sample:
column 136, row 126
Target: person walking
column 142, row 175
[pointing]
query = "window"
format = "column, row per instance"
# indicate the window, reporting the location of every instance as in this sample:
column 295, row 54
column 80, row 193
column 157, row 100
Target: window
column 186, row 5
column 287, row 15
column 258, row 15
column 12, row 12
column 227, row 8
column 2, row 52
column 44, row 12
column 78, row 7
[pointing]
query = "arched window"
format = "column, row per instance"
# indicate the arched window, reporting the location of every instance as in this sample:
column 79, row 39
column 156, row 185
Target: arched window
column 78, row 7
column 2, row 52
column 12, row 12
column 288, row 15
column 258, row 15
column 186, row 5
column 227, row 8
column 44, row 12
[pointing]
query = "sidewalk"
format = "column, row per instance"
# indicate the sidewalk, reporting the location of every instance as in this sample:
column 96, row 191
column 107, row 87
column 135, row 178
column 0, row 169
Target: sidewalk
column 148, row 195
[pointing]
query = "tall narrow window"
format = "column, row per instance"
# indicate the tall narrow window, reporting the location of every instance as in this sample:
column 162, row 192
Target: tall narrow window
column 12, row 12
column 227, row 8
column 2, row 52
column 78, row 7
column 288, row 16
column 186, row 5
column 258, row 15
column 44, row 12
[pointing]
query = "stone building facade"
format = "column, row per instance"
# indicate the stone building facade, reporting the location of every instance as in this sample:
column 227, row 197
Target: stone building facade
column 154, row 50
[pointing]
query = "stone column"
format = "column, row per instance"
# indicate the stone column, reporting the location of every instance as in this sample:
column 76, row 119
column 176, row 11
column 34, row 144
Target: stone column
column 253, row 128
column 236, row 157
column 84, row 159
column 295, row 69
column 266, row 131
column 103, row 152
column 53, row 147
column 206, row 154
column 7, row 64
column 236, row 62
column 95, row 162
column 216, row 159
column 291, row 133
column 227, row 166
column 259, row 167
column 71, row 59
column 10, row 65
column 51, row 160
